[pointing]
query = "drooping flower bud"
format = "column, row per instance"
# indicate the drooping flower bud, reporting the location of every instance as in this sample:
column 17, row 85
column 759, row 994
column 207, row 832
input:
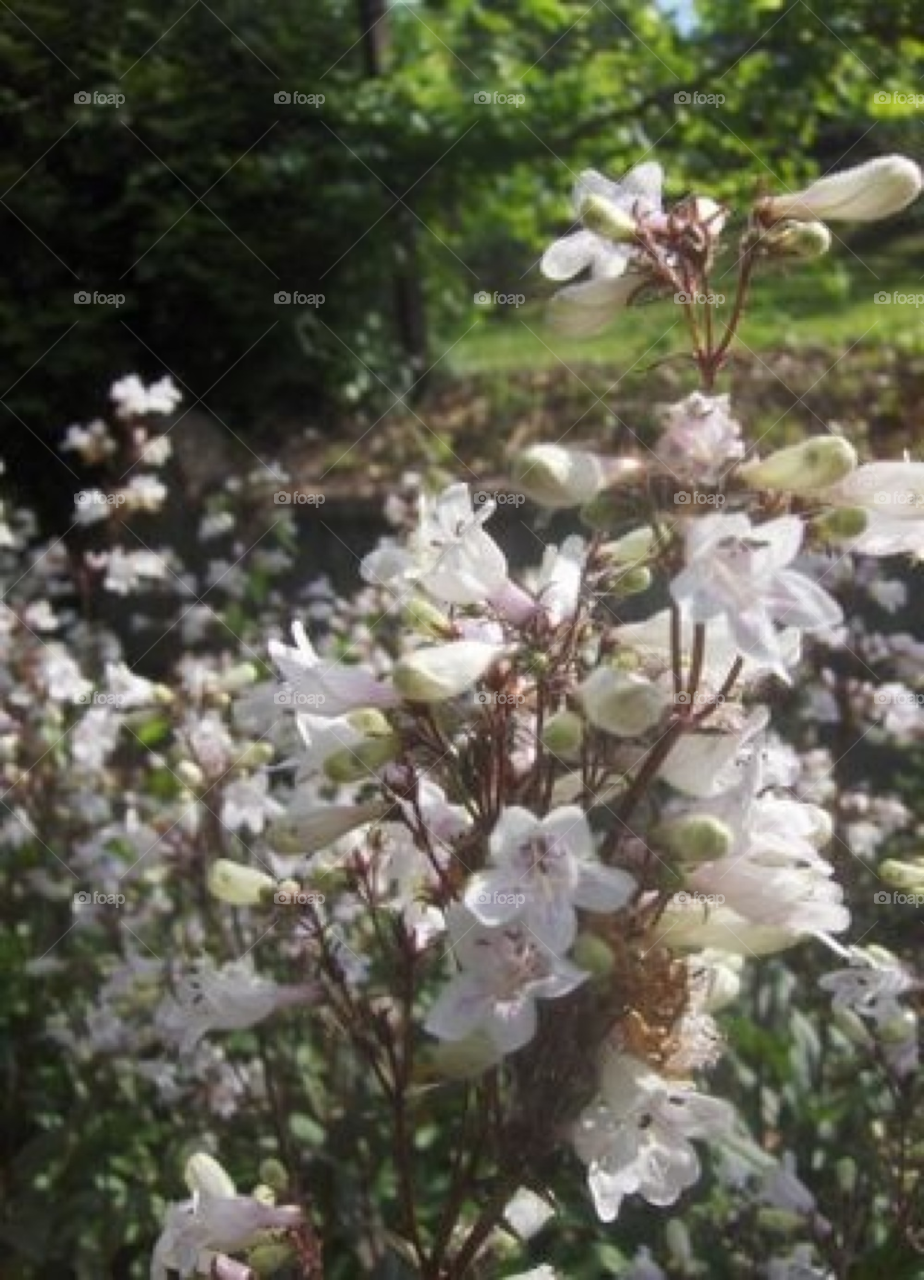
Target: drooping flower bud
column 632, row 548
column 205, row 1176
column 842, row 524
column 811, row 464
column 622, row 703
column 697, row 837
column 903, row 875
column 793, row 239
column 423, row 616
column 903, row 1026
column 353, row 764
column 254, row 754
column 440, row 672
column 311, row 827
column 630, row 582
column 590, row 952
column 845, row 1171
column 865, row 193
column 556, row 477
column 238, row 885
column 462, row 1059
column 273, row 1173
column 370, row 722
column 562, row 734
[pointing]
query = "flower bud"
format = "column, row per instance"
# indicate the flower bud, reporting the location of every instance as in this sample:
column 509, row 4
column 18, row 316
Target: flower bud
column 852, row 1026
column 190, row 774
column 264, row 1193
column 846, row 1173
column 421, row 615
column 353, row 764
column 440, row 672
column 697, row 837
column 724, row 980
column 864, row 193
column 622, row 703
column 205, row 1176
column 782, row 1220
column 677, row 1239
column 312, row 827
column 904, row 1026
column 793, row 239
column 631, row 582
column 557, row 477
column 239, row 677
column 812, row 464
column 607, row 219
column 255, row 754
column 238, row 885
column 273, row 1173
column 370, row 723
column 265, row 1259
column 591, row 953
column 903, row 875
column 563, row 733
column 462, row 1059
column 840, row 524
column 632, row 548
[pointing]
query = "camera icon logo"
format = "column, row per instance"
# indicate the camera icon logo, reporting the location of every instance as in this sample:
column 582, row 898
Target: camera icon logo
column 682, row 497
column 82, row 899
column 683, row 297
column 480, row 498
column 682, row 697
column 882, row 297
column 882, row 896
column 481, row 97
column 283, row 897
column 282, row 498
column 82, row 298
column 682, row 898
column 881, row 97
column 82, row 97
column 483, row 698
column 282, row 96
column 282, row 296
column 482, row 299
column 682, row 96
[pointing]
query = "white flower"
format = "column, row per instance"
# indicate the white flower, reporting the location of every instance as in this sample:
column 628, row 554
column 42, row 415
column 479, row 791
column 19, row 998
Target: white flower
column 133, row 400
column 742, row 572
column 586, row 308
column 95, row 737
column 246, row 804
column 229, row 998
column 126, row 569
column 636, row 1137
column 504, row 971
column 308, row 827
column 892, row 495
column 527, row 1213
column 558, row 583
column 129, row 690
column 623, row 703
column 699, row 437
column 215, row 1220
column 870, row 987
column 556, row 477
column 332, row 686
column 60, row 675
column 541, row 869
column 237, row 884
column 864, row 193
column 94, row 443
column 449, row 554
column 438, row 672
column 143, row 493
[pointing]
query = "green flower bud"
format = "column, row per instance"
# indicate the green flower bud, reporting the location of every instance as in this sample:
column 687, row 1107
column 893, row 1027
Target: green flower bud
column 782, row 1220
column 421, row 615
column 697, row 837
column 590, row 952
column 238, row 885
column 205, row 1176
column 265, row 1259
column 632, row 548
column 852, row 1026
column 622, row 703
column 273, row 1173
column 562, row 734
column 264, row 1193
column 190, row 774
column 255, row 754
column 846, row 1172
column 463, row 1059
column 812, row 464
column 904, row 1026
column 903, row 875
column 631, row 582
column 370, row 722
column 444, row 671
column 841, row 524
column 353, row 764
column 798, row 240
column 556, row 477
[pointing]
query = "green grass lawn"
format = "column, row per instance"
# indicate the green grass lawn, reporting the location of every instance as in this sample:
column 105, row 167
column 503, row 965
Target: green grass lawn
column 828, row 304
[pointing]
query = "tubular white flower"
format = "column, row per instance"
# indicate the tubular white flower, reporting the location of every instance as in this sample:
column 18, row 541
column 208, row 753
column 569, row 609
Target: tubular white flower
column 540, row 870
column 238, row 885
column 809, row 465
column 333, row 687
column 892, row 494
column 622, row 702
column 865, row 193
column 557, row 477
column 439, row 672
